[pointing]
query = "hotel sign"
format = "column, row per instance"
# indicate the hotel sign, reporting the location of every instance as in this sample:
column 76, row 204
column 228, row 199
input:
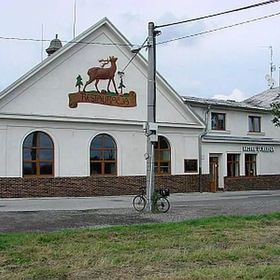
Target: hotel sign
column 265, row 149
column 125, row 100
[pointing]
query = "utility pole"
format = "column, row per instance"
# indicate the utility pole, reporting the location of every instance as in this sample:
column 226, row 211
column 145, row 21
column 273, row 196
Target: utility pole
column 151, row 127
column 272, row 66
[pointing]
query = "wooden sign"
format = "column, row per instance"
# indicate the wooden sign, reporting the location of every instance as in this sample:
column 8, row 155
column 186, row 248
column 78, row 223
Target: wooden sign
column 104, row 98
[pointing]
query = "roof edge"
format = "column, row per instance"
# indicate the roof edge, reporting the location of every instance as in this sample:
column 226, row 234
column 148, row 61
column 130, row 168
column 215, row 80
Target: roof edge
column 58, row 53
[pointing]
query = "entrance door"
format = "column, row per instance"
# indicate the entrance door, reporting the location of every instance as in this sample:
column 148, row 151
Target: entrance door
column 214, row 173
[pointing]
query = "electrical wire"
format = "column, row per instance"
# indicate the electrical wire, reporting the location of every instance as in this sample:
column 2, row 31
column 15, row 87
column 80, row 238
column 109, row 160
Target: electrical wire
column 219, row 14
column 160, row 26
column 135, row 54
column 69, row 42
column 218, row 29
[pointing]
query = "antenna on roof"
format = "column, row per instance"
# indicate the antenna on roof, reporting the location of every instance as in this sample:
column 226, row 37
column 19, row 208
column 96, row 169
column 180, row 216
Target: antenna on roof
column 42, row 42
column 74, row 18
column 272, row 68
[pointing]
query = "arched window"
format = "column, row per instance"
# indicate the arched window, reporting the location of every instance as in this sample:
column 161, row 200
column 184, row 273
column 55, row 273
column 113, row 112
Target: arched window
column 162, row 156
column 103, row 155
column 38, row 155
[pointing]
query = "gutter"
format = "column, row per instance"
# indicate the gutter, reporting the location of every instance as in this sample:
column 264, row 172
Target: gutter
column 200, row 137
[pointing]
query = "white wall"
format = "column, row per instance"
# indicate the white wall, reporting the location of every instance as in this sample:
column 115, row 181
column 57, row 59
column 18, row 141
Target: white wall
column 46, row 92
column 40, row 102
column 72, row 144
column 237, row 122
column 237, row 126
column 267, row 162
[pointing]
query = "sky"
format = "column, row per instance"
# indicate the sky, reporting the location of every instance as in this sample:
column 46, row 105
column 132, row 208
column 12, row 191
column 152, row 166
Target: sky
column 227, row 64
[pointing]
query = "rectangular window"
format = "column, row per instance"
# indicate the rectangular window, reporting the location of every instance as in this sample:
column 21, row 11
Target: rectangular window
column 233, row 165
column 250, row 165
column 254, row 124
column 218, row 121
column 190, row 165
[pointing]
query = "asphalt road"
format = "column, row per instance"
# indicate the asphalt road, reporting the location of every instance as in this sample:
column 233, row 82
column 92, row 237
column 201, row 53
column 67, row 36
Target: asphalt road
column 25, row 215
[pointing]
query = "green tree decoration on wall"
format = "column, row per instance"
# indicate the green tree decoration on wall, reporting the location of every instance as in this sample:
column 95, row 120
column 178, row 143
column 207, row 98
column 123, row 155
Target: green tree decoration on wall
column 121, row 86
column 79, row 82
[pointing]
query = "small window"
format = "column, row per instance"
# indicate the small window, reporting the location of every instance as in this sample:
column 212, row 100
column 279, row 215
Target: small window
column 103, row 155
column 250, row 165
column 38, row 155
column 218, row 121
column 233, row 165
column 190, row 165
column 254, row 124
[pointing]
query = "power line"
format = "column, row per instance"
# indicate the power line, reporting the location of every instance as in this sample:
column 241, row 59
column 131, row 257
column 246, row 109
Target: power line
column 217, row 29
column 81, row 42
column 219, row 14
column 164, row 42
column 135, row 54
column 68, row 42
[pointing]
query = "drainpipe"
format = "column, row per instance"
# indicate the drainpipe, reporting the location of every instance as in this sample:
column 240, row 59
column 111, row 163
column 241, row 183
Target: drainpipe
column 200, row 137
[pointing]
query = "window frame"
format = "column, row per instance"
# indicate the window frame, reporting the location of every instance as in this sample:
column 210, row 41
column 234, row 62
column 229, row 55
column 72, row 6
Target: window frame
column 250, row 164
column 232, row 164
column 251, row 124
column 218, row 126
column 185, row 165
column 103, row 161
column 157, row 160
column 37, row 148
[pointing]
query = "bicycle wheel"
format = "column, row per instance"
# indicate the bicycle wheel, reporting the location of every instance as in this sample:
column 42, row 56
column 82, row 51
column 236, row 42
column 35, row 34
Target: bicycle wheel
column 139, row 203
column 162, row 205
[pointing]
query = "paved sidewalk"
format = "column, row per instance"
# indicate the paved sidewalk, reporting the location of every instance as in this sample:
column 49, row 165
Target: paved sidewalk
column 50, row 214
column 114, row 202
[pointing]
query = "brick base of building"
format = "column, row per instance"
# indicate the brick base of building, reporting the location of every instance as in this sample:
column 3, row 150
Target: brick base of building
column 95, row 186
column 262, row 182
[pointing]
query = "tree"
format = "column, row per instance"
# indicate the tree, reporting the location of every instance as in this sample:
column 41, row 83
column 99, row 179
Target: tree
column 275, row 109
column 79, row 82
column 121, row 86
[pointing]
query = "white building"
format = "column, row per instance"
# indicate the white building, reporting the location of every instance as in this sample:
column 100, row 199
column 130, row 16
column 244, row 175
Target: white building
column 56, row 139
column 240, row 143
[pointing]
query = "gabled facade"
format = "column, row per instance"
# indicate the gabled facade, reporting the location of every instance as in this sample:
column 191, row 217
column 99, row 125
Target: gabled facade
column 54, row 133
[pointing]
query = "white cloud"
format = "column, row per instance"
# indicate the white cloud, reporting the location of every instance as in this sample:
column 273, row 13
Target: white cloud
column 236, row 95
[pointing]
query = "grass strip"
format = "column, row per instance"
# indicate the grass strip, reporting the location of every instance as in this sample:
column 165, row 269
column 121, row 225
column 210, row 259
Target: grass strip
column 227, row 247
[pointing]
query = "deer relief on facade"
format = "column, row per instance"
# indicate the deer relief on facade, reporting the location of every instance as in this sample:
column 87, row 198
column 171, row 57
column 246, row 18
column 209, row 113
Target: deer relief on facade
column 106, row 71
column 103, row 73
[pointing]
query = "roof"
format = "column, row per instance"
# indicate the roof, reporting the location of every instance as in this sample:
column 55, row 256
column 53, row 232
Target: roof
column 265, row 98
column 222, row 103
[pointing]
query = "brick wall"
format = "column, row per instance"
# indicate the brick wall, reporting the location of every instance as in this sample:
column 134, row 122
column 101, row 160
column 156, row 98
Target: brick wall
column 94, row 186
column 262, row 182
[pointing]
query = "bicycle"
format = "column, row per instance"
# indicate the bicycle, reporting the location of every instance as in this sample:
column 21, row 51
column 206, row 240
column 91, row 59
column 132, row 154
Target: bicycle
column 159, row 200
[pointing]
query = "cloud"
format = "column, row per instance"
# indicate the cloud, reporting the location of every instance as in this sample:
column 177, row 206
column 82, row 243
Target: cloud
column 236, row 95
